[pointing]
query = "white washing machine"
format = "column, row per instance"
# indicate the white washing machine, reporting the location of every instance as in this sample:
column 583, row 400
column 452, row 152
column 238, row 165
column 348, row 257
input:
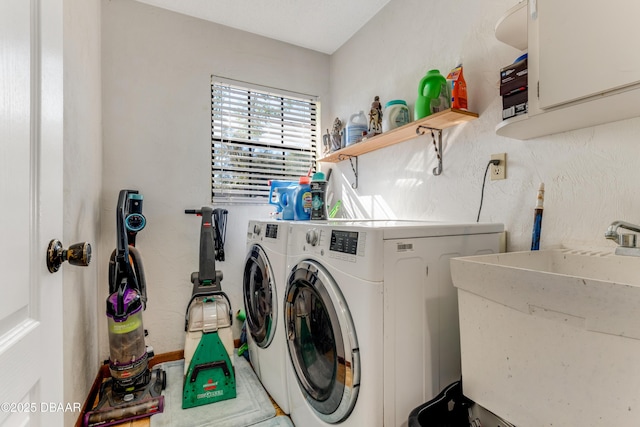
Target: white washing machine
column 265, row 271
column 371, row 317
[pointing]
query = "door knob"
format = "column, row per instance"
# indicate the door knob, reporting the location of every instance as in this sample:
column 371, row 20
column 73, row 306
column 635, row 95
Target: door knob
column 77, row 254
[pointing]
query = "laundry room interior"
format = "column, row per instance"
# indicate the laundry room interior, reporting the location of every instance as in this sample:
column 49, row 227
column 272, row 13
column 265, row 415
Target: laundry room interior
column 543, row 335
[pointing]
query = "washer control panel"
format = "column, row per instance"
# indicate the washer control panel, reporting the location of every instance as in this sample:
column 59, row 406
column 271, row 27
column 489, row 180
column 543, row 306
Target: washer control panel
column 345, row 242
column 272, row 231
column 347, row 245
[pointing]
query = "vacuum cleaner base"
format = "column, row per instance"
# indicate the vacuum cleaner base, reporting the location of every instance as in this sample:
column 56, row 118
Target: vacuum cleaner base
column 114, row 408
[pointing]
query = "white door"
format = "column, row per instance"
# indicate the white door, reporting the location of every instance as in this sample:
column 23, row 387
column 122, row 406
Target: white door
column 31, row 113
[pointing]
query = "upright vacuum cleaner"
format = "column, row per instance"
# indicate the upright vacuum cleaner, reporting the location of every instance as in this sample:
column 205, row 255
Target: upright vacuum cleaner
column 209, row 374
column 133, row 390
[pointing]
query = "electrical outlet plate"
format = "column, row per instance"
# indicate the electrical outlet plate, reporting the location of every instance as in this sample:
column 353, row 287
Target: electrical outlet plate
column 499, row 171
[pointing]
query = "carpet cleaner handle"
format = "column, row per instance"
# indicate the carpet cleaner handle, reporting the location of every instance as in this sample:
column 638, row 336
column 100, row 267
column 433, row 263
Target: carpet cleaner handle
column 207, row 263
column 220, row 224
column 212, row 365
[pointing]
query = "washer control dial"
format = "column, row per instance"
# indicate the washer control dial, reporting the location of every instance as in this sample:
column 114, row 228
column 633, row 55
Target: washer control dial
column 312, row 237
column 257, row 229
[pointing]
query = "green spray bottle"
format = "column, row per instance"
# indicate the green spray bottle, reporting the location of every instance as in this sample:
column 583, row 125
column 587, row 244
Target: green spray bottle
column 432, row 95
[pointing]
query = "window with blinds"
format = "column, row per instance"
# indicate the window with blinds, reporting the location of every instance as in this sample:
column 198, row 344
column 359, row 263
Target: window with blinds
column 258, row 135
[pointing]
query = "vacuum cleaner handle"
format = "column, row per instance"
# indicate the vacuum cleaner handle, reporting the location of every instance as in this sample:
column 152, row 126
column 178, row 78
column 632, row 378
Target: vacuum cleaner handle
column 125, row 265
column 122, row 268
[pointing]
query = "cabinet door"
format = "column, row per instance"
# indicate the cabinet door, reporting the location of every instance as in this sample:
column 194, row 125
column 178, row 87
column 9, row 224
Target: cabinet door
column 586, row 48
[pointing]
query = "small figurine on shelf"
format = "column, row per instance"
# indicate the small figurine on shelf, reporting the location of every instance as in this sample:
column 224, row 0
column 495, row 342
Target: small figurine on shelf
column 336, row 135
column 375, row 117
column 326, row 143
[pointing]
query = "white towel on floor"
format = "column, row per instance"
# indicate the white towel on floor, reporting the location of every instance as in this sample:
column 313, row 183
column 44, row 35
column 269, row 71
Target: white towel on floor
column 251, row 405
column 280, row 421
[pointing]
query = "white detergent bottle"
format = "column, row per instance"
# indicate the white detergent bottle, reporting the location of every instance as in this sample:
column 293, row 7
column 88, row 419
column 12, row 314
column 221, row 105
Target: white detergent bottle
column 356, row 128
column 396, row 114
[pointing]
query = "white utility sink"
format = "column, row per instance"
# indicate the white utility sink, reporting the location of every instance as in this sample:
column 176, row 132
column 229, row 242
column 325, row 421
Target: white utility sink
column 597, row 289
column 551, row 338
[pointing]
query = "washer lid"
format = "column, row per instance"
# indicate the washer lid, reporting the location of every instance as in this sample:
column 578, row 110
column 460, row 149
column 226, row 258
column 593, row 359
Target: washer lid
column 259, row 293
column 322, row 342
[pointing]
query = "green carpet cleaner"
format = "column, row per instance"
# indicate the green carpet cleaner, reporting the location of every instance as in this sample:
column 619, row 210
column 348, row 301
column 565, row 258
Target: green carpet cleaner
column 208, row 351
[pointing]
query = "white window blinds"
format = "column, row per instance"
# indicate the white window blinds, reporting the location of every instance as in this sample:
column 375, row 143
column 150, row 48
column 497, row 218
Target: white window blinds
column 258, row 135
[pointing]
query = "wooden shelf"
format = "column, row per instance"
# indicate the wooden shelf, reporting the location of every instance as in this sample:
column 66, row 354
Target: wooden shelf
column 437, row 121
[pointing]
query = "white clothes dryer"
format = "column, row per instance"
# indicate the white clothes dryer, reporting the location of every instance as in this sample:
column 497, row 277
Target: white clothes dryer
column 264, row 277
column 371, row 317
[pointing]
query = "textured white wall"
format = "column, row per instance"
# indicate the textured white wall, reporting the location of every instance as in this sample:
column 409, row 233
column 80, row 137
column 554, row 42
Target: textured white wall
column 156, row 119
column 156, row 67
column 590, row 175
column 82, row 186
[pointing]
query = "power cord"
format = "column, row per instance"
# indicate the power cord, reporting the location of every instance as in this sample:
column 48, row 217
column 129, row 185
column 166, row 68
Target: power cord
column 484, row 180
column 220, row 221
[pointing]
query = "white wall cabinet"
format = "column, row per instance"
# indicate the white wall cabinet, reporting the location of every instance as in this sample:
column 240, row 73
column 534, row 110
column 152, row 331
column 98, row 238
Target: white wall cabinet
column 583, row 69
column 586, row 50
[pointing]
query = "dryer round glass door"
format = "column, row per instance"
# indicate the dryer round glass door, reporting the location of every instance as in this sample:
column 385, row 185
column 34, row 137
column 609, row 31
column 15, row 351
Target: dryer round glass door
column 322, row 342
column 259, row 294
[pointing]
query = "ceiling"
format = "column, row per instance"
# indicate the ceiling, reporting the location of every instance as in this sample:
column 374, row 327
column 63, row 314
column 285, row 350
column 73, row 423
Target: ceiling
column 321, row 25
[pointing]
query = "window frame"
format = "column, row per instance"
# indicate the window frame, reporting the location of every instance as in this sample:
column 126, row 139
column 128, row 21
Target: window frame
column 241, row 137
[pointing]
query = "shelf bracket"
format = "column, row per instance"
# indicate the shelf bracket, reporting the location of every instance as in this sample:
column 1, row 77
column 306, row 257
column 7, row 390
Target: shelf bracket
column 421, row 130
column 354, row 185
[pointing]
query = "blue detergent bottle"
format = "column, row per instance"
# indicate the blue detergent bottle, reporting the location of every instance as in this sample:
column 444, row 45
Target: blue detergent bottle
column 286, row 200
column 274, row 195
column 302, row 200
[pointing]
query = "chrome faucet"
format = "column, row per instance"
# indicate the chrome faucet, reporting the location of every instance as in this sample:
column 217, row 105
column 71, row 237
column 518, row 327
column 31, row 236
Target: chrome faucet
column 626, row 241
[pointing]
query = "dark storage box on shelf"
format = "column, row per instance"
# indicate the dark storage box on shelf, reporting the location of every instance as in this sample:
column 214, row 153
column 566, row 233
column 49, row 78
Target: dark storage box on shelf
column 514, row 89
column 513, row 78
column 515, row 104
